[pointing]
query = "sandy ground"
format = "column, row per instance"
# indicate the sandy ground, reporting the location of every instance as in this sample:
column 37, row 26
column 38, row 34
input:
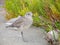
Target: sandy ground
column 8, row 36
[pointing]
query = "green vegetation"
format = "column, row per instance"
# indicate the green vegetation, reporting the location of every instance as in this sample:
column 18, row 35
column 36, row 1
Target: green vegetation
column 43, row 11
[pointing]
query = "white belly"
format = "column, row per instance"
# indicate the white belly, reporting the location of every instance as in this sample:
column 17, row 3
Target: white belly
column 27, row 24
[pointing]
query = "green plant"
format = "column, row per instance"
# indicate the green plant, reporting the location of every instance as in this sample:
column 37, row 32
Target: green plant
column 43, row 11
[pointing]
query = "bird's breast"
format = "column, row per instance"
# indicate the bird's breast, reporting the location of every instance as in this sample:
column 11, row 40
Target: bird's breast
column 27, row 23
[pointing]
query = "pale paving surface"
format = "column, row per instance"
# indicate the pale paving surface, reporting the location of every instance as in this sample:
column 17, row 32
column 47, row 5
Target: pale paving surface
column 2, row 14
column 33, row 36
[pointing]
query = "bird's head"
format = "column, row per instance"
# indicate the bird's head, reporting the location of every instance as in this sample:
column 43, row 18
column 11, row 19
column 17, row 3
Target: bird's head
column 28, row 14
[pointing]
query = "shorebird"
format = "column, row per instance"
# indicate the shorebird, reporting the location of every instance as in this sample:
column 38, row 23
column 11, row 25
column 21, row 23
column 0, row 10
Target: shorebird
column 21, row 22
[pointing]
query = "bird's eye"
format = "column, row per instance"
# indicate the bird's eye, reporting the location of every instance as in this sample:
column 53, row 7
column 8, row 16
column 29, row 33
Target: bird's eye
column 28, row 14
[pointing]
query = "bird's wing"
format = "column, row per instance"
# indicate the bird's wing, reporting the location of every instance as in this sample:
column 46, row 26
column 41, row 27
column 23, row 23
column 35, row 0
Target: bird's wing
column 18, row 22
column 11, row 21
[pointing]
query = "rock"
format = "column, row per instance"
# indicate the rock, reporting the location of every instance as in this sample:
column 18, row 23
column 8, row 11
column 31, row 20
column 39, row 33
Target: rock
column 52, row 36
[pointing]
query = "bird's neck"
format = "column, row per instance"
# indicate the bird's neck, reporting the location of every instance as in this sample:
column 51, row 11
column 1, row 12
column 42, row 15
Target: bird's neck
column 28, row 17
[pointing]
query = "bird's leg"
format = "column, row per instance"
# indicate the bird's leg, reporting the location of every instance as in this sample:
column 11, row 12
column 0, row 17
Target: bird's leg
column 22, row 36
